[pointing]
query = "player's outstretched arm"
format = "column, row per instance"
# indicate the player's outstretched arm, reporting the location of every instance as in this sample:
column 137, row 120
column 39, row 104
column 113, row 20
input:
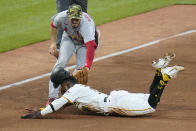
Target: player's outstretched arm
column 54, row 106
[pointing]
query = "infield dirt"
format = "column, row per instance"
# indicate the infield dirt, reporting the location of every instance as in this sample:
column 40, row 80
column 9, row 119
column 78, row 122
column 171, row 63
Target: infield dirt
column 131, row 71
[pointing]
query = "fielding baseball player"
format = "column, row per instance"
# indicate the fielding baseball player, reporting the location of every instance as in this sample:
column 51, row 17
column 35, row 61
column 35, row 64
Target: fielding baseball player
column 63, row 5
column 118, row 102
column 79, row 37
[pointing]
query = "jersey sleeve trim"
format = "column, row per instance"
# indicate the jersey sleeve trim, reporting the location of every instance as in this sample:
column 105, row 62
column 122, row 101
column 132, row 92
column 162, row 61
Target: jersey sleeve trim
column 52, row 25
column 69, row 101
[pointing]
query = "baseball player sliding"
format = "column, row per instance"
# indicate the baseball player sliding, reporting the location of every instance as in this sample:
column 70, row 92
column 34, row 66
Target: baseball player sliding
column 80, row 37
column 118, row 102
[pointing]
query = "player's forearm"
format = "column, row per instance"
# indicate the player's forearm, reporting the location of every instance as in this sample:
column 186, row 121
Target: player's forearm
column 54, row 106
column 53, row 33
column 90, row 53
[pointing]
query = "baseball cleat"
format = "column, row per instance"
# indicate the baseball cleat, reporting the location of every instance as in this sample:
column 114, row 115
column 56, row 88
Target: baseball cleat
column 172, row 71
column 164, row 61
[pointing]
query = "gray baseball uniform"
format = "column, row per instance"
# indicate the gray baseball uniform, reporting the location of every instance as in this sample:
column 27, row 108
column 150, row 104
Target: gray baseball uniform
column 73, row 41
column 63, row 5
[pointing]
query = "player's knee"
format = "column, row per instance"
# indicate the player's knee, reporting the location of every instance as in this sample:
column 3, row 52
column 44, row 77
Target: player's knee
column 153, row 101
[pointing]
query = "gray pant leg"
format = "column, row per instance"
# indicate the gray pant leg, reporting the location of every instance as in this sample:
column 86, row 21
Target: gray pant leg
column 53, row 92
column 80, row 56
column 61, row 5
column 67, row 49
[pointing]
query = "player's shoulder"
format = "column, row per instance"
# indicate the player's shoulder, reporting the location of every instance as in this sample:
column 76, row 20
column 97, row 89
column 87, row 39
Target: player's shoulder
column 80, row 87
column 87, row 18
column 62, row 14
column 80, row 90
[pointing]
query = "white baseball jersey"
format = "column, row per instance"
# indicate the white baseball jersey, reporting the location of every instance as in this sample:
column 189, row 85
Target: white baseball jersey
column 86, row 98
column 120, row 102
column 84, row 33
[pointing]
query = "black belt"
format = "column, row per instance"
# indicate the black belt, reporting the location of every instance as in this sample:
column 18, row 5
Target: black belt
column 105, row 99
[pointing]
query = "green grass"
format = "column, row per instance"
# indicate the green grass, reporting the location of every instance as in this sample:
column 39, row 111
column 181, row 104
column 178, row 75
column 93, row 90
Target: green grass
column 117, row 9
column 24, row 22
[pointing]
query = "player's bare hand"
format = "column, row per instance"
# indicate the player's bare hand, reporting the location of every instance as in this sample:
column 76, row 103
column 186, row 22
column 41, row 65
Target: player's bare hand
column 53, row 50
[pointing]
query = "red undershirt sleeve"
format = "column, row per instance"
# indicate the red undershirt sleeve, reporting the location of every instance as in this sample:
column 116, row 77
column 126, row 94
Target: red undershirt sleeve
column 90, row 53
column 52, row 25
